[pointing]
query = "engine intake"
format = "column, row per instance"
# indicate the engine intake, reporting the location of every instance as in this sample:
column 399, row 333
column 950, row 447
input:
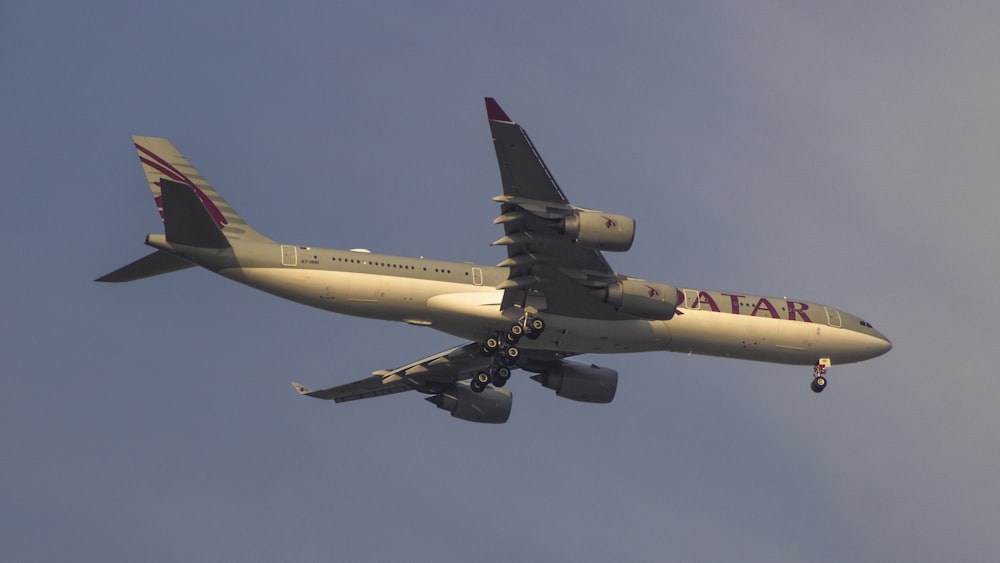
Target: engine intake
column 600, row 231
column 580, row 382
column 492, row 406
column 643, row 299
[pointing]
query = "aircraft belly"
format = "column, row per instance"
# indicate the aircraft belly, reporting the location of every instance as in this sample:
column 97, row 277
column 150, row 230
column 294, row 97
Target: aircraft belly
column 844, row 346
column 795, row 337
column 471, row 315
column 731, row 336
column 767, row 339
column 364, row 295
column 476, row 316
column 586, row 336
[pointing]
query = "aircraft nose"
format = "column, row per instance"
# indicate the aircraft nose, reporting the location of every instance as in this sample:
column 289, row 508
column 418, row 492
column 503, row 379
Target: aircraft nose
column 882, row 344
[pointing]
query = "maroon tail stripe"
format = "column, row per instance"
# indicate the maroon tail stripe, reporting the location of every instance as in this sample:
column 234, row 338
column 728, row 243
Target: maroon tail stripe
column 169, row 173
column 174, row 174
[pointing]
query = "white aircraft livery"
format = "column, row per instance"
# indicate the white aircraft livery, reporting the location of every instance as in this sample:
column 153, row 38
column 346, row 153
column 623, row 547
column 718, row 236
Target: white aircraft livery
column 554, row 297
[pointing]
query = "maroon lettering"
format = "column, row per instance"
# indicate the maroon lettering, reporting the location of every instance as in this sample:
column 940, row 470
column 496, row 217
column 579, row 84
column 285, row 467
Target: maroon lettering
column 765, row 304
column 704, row 297
column 798, row 308
column 736, row 302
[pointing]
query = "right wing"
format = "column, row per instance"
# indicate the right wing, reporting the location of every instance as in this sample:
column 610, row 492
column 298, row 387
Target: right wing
column 433, row 374
column 570, row 276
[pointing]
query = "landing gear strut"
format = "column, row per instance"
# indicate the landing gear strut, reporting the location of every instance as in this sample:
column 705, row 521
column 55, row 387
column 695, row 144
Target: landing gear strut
column 819, row 375
column 503, row 352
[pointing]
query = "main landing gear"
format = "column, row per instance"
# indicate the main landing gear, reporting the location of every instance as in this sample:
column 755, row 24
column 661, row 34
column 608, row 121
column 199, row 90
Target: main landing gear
column 819, row 375
column 503, row 352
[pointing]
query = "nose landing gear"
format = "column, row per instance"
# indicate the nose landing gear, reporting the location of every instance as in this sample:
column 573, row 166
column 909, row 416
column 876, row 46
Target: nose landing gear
column 819, row 375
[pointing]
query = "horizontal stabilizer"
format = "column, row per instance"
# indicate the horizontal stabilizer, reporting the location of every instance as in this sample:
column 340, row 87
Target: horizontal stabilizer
column 159, row 262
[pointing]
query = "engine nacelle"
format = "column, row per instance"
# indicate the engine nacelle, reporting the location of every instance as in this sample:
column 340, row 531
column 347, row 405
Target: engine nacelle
column 491, row 406
column 580, row 382
column 600, row 231
column 643, row 299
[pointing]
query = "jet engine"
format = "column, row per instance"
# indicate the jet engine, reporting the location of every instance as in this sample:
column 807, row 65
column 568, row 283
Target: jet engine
column 600, row 231
column 643, row 299
column 580, row 382
column 491, row 406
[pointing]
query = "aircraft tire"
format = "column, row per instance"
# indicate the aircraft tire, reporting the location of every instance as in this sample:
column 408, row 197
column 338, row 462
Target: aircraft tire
column 491, row 345
column 479, row 381
column 510, row 354
column 818, row 384
column 500, row 376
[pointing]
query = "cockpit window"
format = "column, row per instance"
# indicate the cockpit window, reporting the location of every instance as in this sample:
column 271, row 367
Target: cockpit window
column 867, row 324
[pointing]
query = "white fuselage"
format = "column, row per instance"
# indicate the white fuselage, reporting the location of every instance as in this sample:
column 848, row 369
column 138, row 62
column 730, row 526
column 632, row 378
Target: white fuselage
column 460, row 299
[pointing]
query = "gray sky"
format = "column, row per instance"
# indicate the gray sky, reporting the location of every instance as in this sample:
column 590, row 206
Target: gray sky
column 846, row 154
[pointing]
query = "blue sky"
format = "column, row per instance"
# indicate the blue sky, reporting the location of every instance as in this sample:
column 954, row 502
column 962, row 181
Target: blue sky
column 845, row 154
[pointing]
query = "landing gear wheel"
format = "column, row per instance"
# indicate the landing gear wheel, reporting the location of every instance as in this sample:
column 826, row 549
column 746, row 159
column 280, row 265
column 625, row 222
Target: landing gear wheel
column 819, row 375
column 500, row 376
column 509, row 355
column 533, row 327
column 818, row 384
column 491, row 345
column 479, row 381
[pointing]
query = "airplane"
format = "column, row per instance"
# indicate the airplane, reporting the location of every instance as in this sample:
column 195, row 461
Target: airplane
column 554, row 297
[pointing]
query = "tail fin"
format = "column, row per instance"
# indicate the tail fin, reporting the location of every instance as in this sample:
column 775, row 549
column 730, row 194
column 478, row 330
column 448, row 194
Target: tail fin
column 193, row 213
column 162, row 161
column 187, row 219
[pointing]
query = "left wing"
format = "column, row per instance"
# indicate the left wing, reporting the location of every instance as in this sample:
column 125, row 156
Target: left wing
column 441, row 377
column 431, row 375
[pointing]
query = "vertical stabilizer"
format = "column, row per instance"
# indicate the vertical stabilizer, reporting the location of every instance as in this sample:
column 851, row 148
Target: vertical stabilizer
column 187, row 219
column 161, row 160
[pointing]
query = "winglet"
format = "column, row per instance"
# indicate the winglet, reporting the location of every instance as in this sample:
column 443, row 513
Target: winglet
column 302, row 389
column 494, row 112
